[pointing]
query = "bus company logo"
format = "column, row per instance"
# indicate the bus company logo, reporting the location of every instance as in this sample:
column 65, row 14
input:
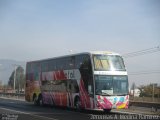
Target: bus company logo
column 70, row 74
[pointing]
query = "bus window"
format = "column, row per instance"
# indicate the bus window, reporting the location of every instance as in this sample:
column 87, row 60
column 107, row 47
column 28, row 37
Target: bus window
column 64, row 63
column 59, row 64
column 78, row 61
column 87, row 63
column 101, row 63
column 35, row 70
column 51, row 65
column 86, row 72
column 108, row 63
column 72, row 86
column 72, row 62
column 44, row 66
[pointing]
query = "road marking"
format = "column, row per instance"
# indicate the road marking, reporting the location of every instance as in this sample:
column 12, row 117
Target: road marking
column 18, row 99
column 11, row 102
column 134, row 112
column 43, row 117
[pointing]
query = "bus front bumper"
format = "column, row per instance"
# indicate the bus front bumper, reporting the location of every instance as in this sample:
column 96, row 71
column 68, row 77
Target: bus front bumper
column 112, row 102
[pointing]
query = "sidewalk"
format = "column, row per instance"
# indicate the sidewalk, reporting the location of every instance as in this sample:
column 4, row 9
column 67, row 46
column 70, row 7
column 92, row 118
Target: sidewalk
column 13, row 98
column 139, row 110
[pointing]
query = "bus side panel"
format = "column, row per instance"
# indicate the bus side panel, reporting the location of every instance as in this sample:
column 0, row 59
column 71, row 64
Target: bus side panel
column 32, row 82
column 59, row 99
column 66, row 98
column 33, row 87
column 27, row 91
column 86, row 101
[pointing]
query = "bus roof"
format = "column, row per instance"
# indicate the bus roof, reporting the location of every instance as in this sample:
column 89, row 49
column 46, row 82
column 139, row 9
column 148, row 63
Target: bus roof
column 91, row 52
column 104, row 52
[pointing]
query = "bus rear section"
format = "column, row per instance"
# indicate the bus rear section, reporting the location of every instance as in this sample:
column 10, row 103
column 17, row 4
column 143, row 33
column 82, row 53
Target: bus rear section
column 32, row 87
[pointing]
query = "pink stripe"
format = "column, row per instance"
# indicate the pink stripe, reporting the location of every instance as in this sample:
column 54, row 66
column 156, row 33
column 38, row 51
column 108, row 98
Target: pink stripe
column 86, row 97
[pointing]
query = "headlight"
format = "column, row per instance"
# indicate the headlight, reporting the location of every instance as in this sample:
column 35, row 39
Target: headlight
column 101, row 101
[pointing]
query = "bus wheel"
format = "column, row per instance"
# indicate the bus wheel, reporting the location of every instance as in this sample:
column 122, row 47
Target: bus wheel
column 35, row 99
column 107, row 110
column 40, row 100
column 77, row 104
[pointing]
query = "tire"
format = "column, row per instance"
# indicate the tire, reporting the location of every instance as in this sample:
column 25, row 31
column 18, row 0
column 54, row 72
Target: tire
column 52, row 104
column 107, row 110
column 77, row 104
column 40, row 100
column 35, row 100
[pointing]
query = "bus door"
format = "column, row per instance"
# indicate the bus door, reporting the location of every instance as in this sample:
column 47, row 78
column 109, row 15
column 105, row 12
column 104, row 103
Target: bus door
column 73, row 91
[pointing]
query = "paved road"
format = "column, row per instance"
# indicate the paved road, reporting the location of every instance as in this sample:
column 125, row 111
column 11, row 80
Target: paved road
column 21, row 110
column 28, row 111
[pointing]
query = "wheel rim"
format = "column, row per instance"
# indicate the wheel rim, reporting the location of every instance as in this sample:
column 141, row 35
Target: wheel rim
column 40, row 102
column 35, row 101
column 77, row 104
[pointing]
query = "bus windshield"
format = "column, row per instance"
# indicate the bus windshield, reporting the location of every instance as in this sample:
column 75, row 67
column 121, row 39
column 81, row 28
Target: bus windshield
column 108, row 63
column 111, row 85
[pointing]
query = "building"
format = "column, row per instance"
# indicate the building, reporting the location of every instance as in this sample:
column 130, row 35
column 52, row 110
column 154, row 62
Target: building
column 136, row 92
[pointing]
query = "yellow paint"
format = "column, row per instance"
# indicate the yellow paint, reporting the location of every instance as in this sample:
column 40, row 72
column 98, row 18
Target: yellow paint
column 123, row 105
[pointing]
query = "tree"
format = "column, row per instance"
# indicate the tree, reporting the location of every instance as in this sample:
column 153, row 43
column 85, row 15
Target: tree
column 147, row 91
column 11, row 79
column 19, row 80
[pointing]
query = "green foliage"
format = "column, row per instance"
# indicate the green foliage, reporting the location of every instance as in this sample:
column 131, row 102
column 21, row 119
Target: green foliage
column 147, row 91
column 19, row 80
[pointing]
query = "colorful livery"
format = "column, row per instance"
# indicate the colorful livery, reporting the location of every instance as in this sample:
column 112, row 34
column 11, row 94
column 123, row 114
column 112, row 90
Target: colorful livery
column 91, row 80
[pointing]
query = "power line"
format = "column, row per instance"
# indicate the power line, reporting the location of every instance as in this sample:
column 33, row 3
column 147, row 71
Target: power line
column 145, row 72
column 142, row 52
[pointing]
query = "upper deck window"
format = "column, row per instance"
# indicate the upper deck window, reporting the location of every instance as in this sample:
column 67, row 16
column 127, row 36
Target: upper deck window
column 108, row 63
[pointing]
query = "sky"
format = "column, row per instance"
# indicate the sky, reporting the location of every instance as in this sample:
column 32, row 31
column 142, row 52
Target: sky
column 38, row 29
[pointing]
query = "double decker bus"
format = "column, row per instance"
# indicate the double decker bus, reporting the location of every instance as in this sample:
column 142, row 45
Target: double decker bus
column 92, row 80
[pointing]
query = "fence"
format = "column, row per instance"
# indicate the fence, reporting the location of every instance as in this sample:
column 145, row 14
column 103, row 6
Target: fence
column 134, row 101
column 145, row 99
column 13, row 95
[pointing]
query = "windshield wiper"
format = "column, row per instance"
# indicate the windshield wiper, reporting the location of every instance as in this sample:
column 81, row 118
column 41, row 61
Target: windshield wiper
column 98, row 93
column 121, row 94
column 104, row 93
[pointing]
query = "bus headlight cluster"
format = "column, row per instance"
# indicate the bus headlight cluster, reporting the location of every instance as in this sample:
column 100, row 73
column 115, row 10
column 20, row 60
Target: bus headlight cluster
column 100, row 100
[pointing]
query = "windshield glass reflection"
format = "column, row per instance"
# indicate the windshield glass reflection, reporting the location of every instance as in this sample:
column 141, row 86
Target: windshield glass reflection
column 111, row 85
column 108, row 63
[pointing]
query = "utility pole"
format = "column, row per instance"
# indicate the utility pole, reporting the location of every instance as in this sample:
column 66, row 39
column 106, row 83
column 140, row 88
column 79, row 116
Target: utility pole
column 159, row 92
column 0, row 78
column 15, row 72
column 153, row 92
column 14, row 78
